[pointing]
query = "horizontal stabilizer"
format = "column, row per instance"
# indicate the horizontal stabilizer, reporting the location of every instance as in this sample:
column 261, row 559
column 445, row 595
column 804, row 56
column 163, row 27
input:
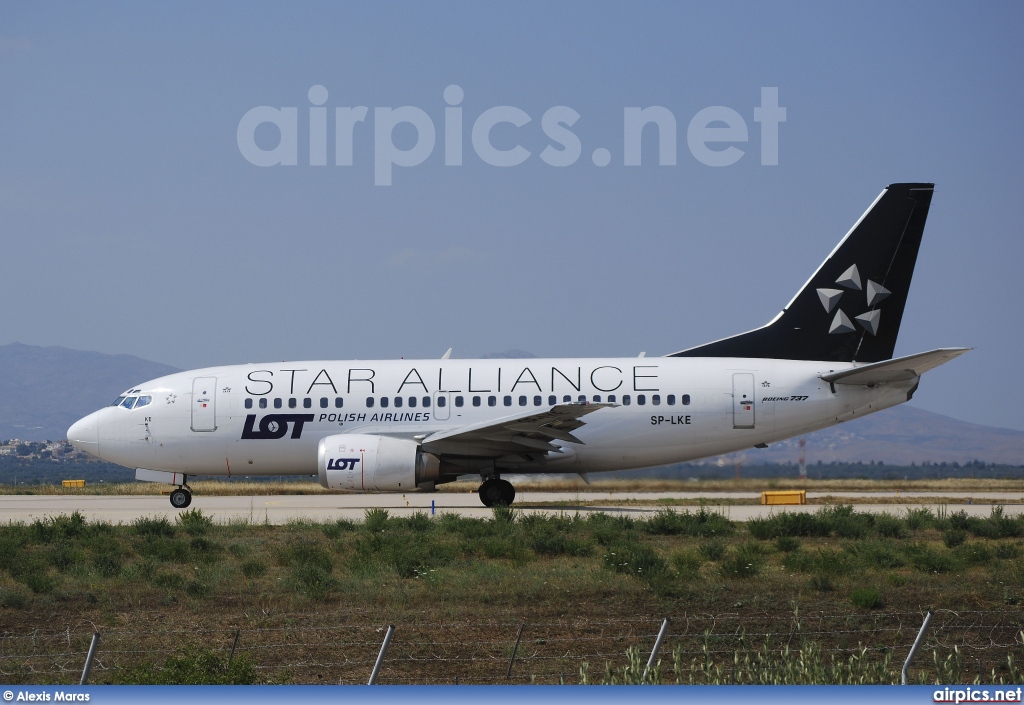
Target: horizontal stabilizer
column 899, row 370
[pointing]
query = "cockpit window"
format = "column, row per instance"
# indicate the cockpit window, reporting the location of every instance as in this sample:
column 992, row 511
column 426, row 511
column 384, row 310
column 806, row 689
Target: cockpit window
column 129, row 402
column 117, row 402
column 143, row 401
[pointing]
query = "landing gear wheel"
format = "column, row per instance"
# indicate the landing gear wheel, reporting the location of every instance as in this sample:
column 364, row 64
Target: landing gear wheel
column 508, row 492
column 181, row 498
column 493, row 492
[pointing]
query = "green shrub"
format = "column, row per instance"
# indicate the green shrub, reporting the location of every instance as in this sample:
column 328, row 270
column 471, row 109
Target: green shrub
column 13, row 599
column 954, row 537
column 313, row 580
column 634, row 559
column 553, row 543
column 744, row 562
column 64, row 556
column 712, row 550
column 787, row 544
column 503, row 514
column 253, row 568
column 58, row 528
column 929, row 560
column 973, row 553
column 171, row 581
column 822, row 583
column 164, row 549
column 153, row 526
column 844, row 522
column 877, row 554
column 38, row 580
column 193, row 667
column 703, row 522
column 1007, row 551
column 376, row 519
column 788, row 524
column 868, row 598
column 194, row 521
column 687, row 563
column 889, row 527
column 919, row 518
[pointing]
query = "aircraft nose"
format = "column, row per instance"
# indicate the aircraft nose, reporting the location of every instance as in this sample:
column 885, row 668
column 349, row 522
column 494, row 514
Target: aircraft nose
column 84, row 434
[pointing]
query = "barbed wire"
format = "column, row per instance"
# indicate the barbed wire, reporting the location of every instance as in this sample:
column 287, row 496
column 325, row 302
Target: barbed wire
column 473, row 649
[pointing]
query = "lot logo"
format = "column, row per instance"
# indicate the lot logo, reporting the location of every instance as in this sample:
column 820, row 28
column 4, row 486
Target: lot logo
column 342, row 463
column 274, row 426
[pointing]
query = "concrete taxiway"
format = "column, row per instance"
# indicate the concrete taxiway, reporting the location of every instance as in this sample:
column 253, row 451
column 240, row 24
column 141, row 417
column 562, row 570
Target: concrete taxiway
column 281, row 509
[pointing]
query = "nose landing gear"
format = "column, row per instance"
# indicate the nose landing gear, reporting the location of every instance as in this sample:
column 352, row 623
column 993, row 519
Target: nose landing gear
column 496, row 491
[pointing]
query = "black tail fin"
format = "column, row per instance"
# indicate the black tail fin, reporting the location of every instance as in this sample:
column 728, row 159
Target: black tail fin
column 851, row 309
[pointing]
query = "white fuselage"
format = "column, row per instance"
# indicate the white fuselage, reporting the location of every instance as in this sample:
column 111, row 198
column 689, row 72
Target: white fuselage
column 214, row 421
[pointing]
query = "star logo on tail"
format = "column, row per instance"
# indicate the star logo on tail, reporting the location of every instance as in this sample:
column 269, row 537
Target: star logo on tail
column 850, row 281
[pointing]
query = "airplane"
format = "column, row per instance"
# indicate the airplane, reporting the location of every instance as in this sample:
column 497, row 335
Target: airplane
column 403, row 425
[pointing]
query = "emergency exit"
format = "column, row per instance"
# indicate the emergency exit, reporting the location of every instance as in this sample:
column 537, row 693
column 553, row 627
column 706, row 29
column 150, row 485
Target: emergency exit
column 743, row 400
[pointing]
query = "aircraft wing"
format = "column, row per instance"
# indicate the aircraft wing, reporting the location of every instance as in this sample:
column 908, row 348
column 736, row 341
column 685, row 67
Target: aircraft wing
column 899, row 370
column 526, row 433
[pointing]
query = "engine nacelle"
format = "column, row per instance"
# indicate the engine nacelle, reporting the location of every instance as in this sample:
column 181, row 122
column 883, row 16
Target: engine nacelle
column 364, row 462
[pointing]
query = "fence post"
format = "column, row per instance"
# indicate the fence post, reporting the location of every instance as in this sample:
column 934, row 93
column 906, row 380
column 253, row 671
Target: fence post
column 913, row 649
column 234, row 645
column 89, row 657
column 515, row 649
column 382, row 654
column 654, row 651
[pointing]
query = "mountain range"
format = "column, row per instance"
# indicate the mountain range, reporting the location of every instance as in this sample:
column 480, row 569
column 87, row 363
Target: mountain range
column 43, row 390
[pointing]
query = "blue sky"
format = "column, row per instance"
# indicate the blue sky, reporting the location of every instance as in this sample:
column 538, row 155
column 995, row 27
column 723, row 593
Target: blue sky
column 131, row 222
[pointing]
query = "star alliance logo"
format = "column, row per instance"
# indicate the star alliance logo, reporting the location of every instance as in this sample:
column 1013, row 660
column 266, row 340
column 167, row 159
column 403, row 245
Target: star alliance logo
column 841, row 323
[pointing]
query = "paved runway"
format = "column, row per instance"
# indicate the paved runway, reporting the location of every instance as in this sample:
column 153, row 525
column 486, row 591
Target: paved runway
column 281, row 509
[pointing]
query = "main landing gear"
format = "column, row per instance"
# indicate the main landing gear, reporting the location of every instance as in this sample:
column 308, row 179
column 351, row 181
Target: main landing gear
column 496, row 491
column 181, row 497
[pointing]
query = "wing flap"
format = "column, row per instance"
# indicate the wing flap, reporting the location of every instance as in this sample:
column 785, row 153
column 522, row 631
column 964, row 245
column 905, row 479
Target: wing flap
column 512, row 434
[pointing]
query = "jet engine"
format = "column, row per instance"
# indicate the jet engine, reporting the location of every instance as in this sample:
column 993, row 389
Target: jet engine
column 364, row 462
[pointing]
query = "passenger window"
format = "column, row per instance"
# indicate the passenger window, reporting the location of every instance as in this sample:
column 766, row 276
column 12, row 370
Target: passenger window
column 412, row 401
column 458, row 401
column 641, row 399
column 476, row 401
column 538, row 400
column 507, row 400
column 248, row 403
column 522, row 401
column 670, row 400
column 398, row 402
column 611, row 398
column 566, row 399
column 144, row 401
column 338, row 402
column 552, row 400
column 263, row 402
column 582, row 399
column 369, row 402
column 597, row 398
column 129, row 402
column 686, row 400
column 323, row 402
column 625, row 400
column 656, row 399
column 307, row 403
column 277, row 403
column 426, row 402
column 384, row 402
column 291, row 403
